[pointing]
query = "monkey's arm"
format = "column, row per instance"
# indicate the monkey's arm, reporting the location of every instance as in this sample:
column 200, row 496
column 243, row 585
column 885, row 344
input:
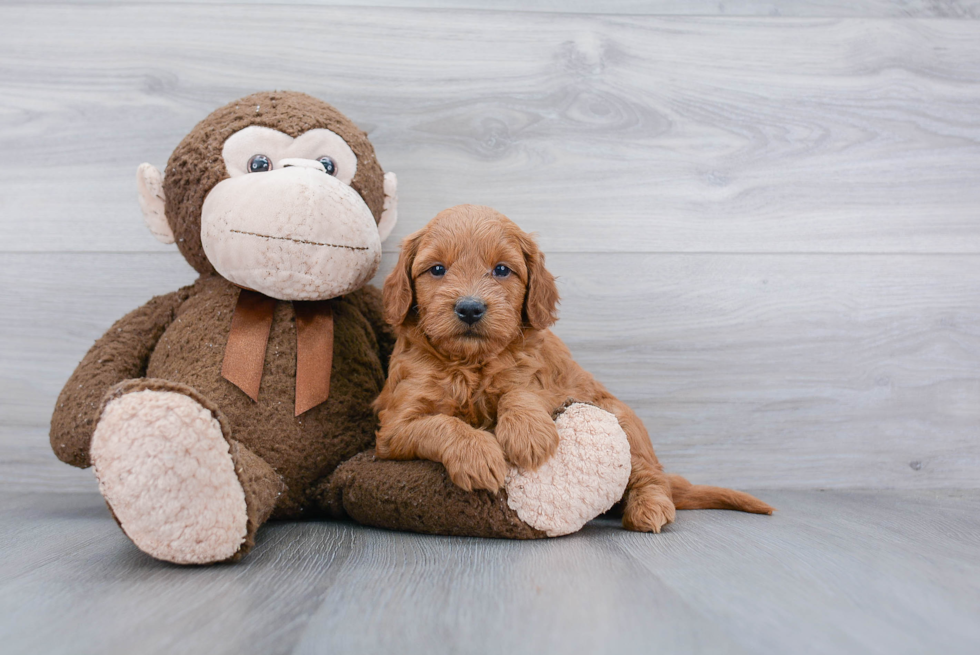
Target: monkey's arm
column 120, row 354
column 369, row 302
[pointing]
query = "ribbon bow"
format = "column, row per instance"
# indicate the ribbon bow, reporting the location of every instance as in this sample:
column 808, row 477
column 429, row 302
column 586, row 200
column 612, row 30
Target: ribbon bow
column 249, row 336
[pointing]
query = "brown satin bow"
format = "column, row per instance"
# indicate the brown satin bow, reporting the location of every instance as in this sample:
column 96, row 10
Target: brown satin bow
column 249, row 336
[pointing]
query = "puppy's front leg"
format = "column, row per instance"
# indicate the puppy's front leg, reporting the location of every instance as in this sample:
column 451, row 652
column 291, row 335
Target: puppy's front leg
column 473, row 458
column 525, row 429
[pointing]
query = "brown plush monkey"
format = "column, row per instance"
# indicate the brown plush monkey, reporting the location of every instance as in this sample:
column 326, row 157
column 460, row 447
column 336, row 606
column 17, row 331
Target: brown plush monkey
column 213, row 408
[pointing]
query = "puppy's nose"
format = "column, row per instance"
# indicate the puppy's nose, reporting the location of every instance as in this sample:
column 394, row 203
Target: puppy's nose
column 470, row 309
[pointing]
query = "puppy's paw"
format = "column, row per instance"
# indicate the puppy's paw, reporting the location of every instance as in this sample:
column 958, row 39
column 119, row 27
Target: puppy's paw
column 648, row 510
column 529, row 439
column 476, row 461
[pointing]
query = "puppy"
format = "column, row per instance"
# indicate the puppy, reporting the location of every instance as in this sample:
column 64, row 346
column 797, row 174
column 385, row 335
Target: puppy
column 476, row 374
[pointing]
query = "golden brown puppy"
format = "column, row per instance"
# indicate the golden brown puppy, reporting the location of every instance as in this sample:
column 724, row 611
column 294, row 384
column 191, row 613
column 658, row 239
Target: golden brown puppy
column 476, row 374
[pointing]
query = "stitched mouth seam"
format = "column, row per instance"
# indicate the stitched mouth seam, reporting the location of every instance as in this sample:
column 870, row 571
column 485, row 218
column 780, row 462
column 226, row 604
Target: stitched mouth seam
column 304, row 241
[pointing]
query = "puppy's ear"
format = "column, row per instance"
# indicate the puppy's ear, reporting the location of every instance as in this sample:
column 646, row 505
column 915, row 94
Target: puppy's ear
column 541, row 300
column 398, row 294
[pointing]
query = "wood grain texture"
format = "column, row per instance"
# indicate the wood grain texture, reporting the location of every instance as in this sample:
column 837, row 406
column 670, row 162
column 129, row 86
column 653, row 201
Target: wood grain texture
column 668, row 134
column 775, row 371
column 770, row 8
column 27, row 464
column 783, row 583
column 580, row 595
column 766, row 228
column 883, row 572
column 105, row 596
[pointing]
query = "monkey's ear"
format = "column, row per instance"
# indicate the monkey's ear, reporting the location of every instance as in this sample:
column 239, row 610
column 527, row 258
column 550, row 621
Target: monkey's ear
column 397, row 294
column 149, row 181
column 389, row 216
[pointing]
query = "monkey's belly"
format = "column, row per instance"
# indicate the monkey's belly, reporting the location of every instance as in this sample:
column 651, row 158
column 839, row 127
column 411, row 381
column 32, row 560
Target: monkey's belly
column 303, row 449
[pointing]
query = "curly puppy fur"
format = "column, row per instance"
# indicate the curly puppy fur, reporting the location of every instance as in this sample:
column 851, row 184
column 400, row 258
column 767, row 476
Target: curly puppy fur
column 475, row 397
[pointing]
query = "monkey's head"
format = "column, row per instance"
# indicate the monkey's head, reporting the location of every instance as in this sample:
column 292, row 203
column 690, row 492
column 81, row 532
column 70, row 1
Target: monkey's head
column 277, row 192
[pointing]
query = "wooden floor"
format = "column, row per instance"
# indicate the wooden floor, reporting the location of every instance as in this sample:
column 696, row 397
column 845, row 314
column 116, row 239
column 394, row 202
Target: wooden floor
column 831, row 572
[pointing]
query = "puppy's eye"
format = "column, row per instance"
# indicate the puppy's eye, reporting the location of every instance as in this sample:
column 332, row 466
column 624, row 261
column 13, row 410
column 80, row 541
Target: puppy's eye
column 329, row 165
column 500, row 271
column 259, row 164
column 438, row 270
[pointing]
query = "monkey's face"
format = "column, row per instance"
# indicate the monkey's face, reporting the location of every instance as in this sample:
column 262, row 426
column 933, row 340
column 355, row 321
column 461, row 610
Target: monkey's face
column 286, row 222
column 295, row 207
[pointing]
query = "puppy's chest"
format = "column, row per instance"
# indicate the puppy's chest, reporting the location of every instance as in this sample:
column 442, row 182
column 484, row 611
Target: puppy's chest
column 473, row 397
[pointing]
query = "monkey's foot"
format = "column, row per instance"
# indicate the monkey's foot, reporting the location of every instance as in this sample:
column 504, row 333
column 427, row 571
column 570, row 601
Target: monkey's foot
column 166, row 470
column 584, row 478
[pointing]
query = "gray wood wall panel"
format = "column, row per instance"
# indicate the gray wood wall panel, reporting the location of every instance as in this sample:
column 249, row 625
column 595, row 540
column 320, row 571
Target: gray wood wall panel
column 686, row 134
column 969, row 9
column 774, row 371
column 767, row 229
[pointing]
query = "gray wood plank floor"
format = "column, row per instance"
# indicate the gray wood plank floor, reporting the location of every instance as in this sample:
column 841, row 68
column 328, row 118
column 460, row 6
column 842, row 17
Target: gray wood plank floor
column 888, row 572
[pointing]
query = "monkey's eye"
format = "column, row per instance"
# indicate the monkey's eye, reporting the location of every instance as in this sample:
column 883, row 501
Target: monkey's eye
column 259, row 164
column 329, row 165
column 500, row 271
column 438, row 270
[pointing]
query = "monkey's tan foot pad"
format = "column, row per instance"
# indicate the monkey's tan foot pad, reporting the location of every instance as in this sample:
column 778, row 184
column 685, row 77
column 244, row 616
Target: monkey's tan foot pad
column 166, row 470
column 585, row 477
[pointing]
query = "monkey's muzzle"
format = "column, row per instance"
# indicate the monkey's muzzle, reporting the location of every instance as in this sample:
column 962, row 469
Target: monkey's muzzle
column 294, row 233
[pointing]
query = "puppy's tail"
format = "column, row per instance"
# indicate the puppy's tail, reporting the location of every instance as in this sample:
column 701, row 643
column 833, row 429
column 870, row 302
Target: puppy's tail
column 696, row 496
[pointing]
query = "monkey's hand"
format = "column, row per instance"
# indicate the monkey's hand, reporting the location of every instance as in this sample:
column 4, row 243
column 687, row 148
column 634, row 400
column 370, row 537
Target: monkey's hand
column 121, row 354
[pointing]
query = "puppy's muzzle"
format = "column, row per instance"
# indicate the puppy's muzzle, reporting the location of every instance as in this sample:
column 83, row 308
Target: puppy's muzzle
column 470, row 310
